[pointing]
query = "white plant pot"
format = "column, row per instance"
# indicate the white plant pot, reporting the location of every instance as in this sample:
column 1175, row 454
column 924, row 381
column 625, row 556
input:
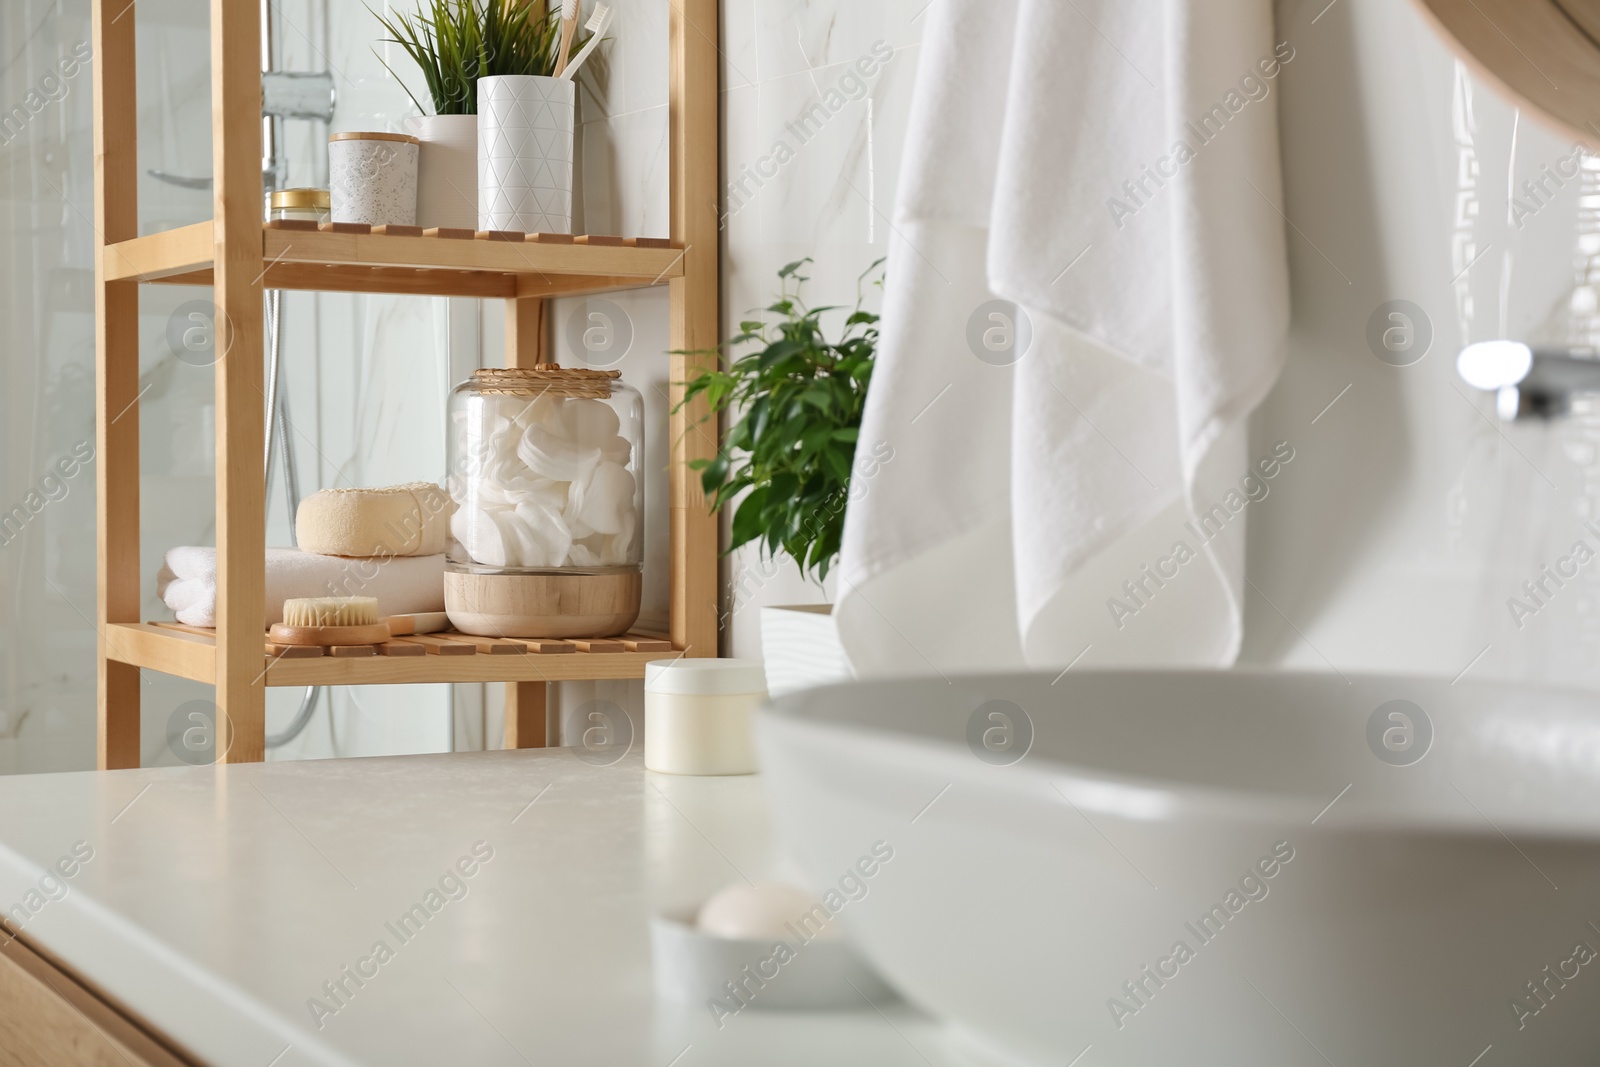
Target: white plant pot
column 525, row 152
column 447, row 170
column 801, row 649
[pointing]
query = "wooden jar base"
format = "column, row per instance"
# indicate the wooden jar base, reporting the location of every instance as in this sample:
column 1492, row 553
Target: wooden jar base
column 543, row 605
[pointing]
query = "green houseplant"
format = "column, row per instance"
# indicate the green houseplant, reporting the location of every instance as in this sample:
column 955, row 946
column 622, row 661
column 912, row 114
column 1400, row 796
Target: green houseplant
column 800, row 397
column 788, row 459
column 454, row 43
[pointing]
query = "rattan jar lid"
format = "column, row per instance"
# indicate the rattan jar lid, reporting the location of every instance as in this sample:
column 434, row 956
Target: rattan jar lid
column 546, row 378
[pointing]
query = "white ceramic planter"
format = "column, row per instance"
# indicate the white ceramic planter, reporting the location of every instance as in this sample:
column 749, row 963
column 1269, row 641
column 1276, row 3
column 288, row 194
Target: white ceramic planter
column 525, row 153
column 447, row 170
column 372, row 178
column 800, row 646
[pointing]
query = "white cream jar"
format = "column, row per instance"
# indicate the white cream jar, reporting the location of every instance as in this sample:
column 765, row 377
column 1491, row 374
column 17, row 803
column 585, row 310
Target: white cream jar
column 698, row 715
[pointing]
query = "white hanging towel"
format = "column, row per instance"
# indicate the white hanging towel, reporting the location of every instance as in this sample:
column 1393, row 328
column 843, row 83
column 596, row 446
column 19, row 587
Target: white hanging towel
column 1087, row 295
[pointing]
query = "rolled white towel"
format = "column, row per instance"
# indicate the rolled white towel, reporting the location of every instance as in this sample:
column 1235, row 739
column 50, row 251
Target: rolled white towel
column 403, row 585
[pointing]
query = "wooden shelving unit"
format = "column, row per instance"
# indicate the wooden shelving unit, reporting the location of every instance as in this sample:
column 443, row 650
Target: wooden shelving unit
column 240, row 256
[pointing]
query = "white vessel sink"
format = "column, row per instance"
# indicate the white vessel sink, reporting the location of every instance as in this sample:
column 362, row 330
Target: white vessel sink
column 1410, row 903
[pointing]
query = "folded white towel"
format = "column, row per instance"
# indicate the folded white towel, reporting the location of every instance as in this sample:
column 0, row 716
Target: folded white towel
column 403, row 585
column 1088, row 256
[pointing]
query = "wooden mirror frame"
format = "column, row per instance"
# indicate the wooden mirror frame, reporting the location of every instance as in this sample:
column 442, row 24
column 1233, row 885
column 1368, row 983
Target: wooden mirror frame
column 1543, row 54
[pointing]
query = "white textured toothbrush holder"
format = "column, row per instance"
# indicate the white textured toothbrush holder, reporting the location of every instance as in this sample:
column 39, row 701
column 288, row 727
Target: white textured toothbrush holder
column 525, row 153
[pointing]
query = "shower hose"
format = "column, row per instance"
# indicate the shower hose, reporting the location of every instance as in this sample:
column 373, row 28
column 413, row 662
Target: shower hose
column 279, row 439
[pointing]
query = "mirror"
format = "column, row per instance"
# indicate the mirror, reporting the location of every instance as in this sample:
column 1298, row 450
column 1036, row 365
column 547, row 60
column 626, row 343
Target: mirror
column 1544, row 54
column 1585, row 15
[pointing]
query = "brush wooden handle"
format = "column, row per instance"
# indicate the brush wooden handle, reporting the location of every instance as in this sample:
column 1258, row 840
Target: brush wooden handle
column 568, row 29
column 373, row 634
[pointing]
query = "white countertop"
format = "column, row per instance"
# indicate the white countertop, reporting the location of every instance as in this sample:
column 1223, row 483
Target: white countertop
column 219, row 900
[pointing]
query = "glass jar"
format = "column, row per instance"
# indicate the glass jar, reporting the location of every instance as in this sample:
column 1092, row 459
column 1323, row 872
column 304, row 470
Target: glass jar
column 547, row 539
column 304, row 205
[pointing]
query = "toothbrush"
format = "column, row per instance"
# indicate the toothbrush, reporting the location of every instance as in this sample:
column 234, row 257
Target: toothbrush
column 597, row 24
column 569, row 26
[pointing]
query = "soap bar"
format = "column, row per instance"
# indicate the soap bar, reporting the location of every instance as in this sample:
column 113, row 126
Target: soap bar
column 761, row 913
column 402, row 520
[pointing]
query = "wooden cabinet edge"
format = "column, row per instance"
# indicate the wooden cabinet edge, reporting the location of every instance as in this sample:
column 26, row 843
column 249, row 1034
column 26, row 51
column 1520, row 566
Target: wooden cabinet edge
column 51, row 1018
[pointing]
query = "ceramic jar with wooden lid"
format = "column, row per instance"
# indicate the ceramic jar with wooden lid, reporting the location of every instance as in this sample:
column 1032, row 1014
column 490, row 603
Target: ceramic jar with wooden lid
column 547, row 539
column 372, row 178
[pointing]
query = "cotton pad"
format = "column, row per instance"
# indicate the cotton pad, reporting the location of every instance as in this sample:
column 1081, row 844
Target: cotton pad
column 545, row 482
column 542, row 535
column 598, row 503
column 483, row 537
column 550, row 454
column 587, row 422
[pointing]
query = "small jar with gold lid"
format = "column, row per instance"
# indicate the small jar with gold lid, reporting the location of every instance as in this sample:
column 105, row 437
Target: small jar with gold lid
column 548, row 532
column 300, row 205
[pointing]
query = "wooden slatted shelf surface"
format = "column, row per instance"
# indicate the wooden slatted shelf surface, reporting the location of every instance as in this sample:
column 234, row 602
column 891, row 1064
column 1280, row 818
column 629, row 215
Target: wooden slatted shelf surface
column 354, row 257
column 190, row 651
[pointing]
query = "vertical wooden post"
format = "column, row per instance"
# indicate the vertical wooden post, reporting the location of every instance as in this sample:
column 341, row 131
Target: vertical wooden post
column 529, row 723
column 241, row 485
column 528, row 708
column 693, row 101
column 116, row 346
column 527, row 332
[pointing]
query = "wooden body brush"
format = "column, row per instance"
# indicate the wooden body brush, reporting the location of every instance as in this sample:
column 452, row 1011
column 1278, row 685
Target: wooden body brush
column 334, row 620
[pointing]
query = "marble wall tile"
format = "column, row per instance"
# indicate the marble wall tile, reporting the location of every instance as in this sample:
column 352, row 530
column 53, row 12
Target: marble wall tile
column 769, row 39
column 1414, row 518
column 628, row 72
column 806, row 183
column 624, row 170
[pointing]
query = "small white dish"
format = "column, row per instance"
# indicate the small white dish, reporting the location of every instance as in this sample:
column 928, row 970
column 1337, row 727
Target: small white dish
column 731, row 974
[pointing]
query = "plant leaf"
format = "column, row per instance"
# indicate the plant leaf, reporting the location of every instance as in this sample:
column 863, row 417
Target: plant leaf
column 795, row 401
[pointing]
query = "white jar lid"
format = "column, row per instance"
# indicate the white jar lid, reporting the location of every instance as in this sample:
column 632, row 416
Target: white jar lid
column 705, row 677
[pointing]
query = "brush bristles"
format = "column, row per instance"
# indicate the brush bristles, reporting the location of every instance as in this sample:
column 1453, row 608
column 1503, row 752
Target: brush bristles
column 598, row 18
column 331, row 611
column 569, row 10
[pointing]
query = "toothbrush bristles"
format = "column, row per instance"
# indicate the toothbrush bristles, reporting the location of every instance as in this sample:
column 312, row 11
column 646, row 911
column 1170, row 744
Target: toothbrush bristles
column 569, row 10
column 597, row 18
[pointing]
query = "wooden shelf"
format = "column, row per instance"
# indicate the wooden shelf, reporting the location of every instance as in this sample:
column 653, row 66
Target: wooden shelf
column 239, row 257
column 189, row 652
column 342, row 257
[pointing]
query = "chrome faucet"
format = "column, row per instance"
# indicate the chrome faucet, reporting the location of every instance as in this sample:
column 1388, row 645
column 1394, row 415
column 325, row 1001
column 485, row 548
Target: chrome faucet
column 1528, row 382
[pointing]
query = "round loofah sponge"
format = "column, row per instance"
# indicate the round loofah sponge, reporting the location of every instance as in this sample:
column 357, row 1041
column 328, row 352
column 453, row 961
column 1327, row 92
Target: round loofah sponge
column 402, row 520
